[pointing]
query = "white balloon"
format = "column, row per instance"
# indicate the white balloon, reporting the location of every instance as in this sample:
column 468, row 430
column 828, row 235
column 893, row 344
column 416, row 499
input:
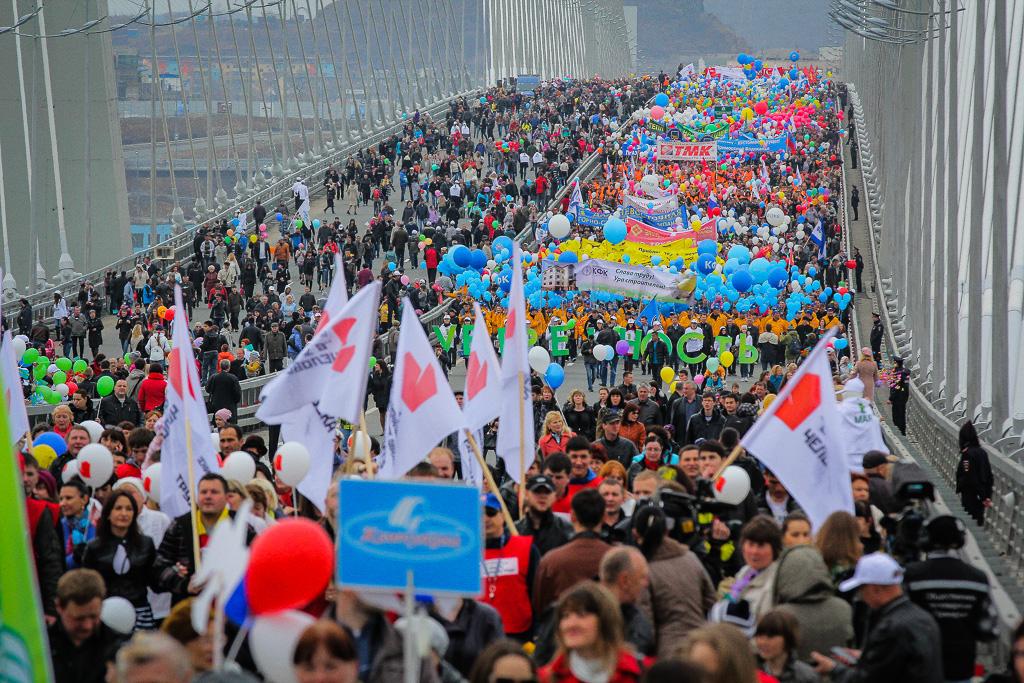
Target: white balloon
column 291, row 462
column 734, row 485
column 539, row 359
column 800, row 234
column 774, row 216
column 559, row 226
column 94, row 428
column 273, row 639
column 215, row 438
column 599, row 351
column 95, row 464
column 61, row 389
column 239, row 466
column 151, row 480
column 118, row 614
column 70, row 470
column 19, row 347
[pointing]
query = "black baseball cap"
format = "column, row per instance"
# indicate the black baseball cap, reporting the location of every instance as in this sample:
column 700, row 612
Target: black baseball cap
column 540, row 481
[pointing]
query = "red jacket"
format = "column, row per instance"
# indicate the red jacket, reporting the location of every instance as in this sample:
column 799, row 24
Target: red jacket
column 430, row 257
column 627, row 669
column 152, row 391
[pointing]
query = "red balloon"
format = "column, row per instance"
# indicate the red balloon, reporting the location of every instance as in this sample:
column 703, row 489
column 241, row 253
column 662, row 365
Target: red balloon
column 72, row 387
column 169, row 313
column 761, row 108
column 291, row 563
column 851, row 264
column 843, row 290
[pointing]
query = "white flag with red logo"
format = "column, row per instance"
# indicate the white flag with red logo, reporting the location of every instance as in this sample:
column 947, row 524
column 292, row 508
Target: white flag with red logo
column 481, row 399
column 422, row 410
column 337, row 296
column 185, row 424
column 799, row 438
column 14, row 397
column 515, row 429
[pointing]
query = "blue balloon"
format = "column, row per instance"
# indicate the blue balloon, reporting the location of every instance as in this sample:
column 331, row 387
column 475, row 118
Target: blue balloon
column 316, row 222
column 777, row 277
column 53, row 440
column 461, row 256
column 615, row 230
column 478, row 259
column 840, row 343
column 234, row 222
column 742, row 280
column 661, row 99
column 656, row 260
column 568, row 257
column 794, row 74
column 794, row 56
column 708, row 247
column 279, row 216
column 758, row 65
column 705, row 264
column 740, row 253
column 502, row 243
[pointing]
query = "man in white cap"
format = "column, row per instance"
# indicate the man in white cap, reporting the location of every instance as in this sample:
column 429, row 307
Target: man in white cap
column 904, row 643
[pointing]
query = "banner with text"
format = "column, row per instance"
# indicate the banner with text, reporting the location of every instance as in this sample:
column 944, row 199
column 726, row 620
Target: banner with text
column 631, row 281
column 688, row 151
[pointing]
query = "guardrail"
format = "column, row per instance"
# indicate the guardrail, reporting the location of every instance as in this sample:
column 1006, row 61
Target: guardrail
column 937, row 438
column 43, row 300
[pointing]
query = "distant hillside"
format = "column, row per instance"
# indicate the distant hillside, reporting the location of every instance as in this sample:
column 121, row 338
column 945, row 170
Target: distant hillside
column 783, row 24
column 678, row 30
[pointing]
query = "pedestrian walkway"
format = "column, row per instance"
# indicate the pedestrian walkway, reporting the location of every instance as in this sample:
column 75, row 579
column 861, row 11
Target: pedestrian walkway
column 980, row 551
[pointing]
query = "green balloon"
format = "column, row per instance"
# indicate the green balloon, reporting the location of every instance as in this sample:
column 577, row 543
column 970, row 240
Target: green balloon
column 227, row 240
column 298, row 224
column 31, row 356
column 43, row 391
column 64, row 364
column 373, row 361
column 105, row 386
column 54, row 398
column 39, row 371
column 127, row 360
column 59, row 378
column 80, row 366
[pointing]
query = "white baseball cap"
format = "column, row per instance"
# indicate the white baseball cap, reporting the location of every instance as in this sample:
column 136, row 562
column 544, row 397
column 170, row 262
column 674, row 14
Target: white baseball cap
column 877, row 569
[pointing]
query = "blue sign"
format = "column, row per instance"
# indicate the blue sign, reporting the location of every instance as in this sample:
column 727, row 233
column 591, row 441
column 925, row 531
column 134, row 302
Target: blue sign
column 665, row 221
column 592, row 218
column 387, row 528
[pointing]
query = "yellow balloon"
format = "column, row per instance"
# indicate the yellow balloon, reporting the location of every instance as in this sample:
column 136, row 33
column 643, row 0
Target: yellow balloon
column 727, row 358
column 252, row 238
column 44, row 454
column 695, row 224
column 688, row 285
column 428, row 241
column 667, row 374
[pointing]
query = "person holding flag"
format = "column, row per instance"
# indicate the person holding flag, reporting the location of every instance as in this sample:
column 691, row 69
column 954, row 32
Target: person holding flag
column 799, row 439
column 422, row 410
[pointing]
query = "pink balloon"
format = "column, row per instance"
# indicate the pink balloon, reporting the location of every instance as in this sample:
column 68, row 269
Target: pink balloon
column 657, row 112
column 699, row 379
column 405, row 279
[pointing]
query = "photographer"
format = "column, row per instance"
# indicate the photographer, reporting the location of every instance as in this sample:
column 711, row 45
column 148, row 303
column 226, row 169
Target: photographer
column 955, row 593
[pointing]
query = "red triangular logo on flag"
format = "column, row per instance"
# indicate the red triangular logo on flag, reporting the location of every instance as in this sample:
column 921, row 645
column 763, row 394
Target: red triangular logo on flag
column 804, row 400
column 346, row 352
column 476, row 376
column 418, row 384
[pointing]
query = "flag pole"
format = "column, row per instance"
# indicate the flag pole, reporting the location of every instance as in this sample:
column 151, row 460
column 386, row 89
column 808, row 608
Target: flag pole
column 493, row 484
column 736, row 452
column 192, row 486
column 522, row 450
column 366, row 443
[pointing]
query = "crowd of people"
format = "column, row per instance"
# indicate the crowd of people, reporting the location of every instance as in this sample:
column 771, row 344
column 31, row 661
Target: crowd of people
column 614, row 563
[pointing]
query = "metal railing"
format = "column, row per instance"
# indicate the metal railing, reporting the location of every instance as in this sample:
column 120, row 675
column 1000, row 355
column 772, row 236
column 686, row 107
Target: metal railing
column 43, row 300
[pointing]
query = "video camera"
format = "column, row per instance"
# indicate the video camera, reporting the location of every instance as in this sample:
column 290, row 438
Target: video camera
column 682, row 511
column 912, row 489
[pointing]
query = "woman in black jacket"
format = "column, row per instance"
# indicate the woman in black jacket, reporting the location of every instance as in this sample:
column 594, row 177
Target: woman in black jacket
column 973, row 474
column 379, row 387
column 94, row 326
column 123, row 555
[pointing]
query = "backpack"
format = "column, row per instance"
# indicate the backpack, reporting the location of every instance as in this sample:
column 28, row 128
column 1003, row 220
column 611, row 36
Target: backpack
column 794, row 347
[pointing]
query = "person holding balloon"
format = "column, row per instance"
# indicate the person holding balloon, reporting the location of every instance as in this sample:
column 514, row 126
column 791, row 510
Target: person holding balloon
column 123, row 555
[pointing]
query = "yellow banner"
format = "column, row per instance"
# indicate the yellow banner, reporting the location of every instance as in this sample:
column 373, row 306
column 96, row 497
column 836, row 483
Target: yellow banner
column 639, row 254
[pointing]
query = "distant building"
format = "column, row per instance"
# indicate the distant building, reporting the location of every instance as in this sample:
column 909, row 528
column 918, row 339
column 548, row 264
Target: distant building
column 558, row 276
